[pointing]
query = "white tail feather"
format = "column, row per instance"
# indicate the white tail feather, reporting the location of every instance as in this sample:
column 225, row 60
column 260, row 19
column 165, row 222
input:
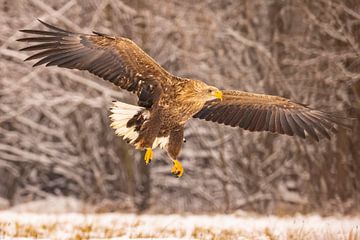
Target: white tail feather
column 122, row 113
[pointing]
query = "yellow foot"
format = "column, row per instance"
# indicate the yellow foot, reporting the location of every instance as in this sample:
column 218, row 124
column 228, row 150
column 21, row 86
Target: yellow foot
column 177, row 169
column 148, row 155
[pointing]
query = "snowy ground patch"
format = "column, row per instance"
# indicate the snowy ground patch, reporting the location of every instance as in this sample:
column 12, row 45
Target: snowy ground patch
column 125, row 226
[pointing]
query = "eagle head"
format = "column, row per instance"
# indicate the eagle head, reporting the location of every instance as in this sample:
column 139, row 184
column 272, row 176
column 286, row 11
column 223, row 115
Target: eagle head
column 214, row 93
column 203, row 92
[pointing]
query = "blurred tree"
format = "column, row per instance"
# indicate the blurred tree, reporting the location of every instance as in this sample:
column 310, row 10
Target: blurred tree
column 54, row 134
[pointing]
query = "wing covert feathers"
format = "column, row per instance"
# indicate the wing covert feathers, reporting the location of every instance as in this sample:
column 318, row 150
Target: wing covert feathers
column 259, row 112
column 118, row 60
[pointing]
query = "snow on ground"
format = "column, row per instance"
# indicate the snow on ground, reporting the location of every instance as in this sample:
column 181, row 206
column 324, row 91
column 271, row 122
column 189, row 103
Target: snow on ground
column 125, row 226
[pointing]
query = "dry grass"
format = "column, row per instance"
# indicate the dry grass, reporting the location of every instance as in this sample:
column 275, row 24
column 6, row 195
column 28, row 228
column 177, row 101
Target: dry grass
column 91, row 226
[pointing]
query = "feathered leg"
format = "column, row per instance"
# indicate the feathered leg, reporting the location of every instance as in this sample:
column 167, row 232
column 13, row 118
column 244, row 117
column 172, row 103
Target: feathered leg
column 147, row 135
column 173, row 149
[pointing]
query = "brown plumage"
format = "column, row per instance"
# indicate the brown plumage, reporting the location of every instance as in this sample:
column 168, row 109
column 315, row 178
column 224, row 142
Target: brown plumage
column 260, row 112
column 166, row 102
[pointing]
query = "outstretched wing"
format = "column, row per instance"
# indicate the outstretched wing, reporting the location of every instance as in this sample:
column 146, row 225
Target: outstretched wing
column 259, row 112
column 118, row 60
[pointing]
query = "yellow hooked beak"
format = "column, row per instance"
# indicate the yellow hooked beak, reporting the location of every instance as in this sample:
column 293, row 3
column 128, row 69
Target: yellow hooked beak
column 218, row 94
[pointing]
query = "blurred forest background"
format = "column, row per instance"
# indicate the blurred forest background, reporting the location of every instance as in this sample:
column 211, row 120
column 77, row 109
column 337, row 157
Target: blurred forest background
column 55, row 138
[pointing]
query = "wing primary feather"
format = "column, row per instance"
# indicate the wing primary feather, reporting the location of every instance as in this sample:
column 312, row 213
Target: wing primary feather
column 246, row 120
column 237, row 116
column 41, row 46
column 203, row 113
column 317, row 125
column 65, row 54
column 53, row 27
column 103, row 63
column 294, row 126
column 231, row 115
column 243, row 115
column 71, row 61
column 89, row 59
column 214, row 112
column 43, row 54
column 114, row 76
column 98, row 63
column 42, row 61
column 211, row 113
column 53, row 57
column 262, row 120
column 255, row 120
column 284, row 123
column 305, row 126
column 227, row 112
column 106, row 69
column 39, row 39
column 278, row 126
column 337, row 119
column 324, row 120
column 40, row 32
column 312, row 125
column 272, row 120
column 266, row 126
column 61, row 61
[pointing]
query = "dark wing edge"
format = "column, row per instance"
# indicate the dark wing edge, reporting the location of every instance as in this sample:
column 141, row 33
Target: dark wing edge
column 259, row 112
column 118, row 60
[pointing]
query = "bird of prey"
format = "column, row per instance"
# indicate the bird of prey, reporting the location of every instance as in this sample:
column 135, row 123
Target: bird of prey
column 166, row 102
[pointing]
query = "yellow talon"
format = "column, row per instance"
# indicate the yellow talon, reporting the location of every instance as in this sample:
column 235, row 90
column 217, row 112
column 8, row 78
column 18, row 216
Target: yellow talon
column 177, row 169
column 148, row 156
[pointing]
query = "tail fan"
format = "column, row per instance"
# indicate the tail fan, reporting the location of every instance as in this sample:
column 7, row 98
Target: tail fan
column 122, row 113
